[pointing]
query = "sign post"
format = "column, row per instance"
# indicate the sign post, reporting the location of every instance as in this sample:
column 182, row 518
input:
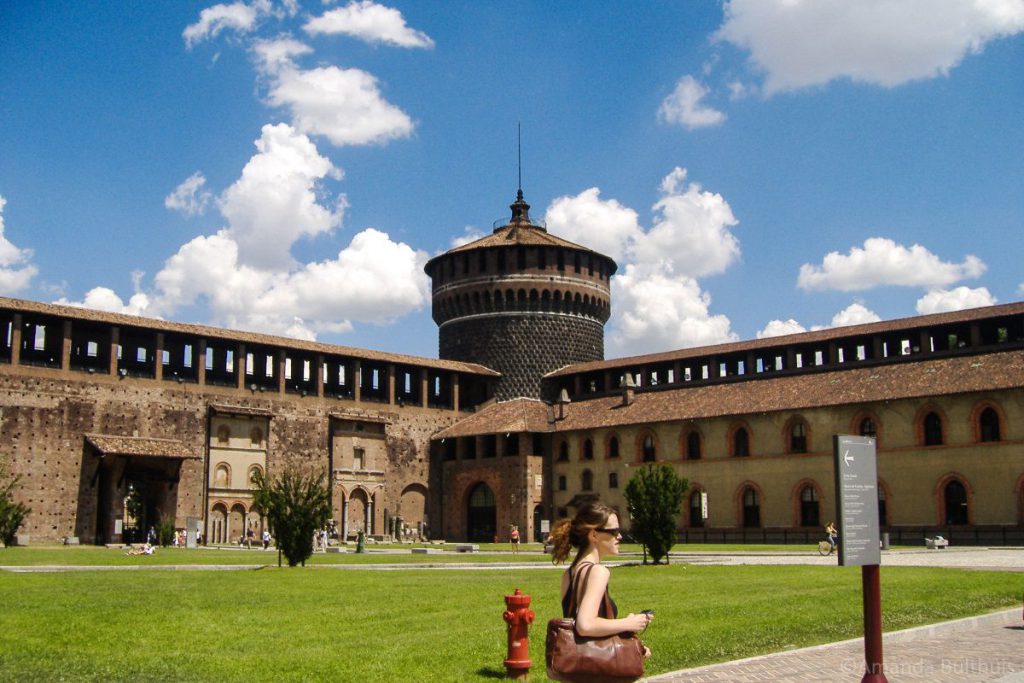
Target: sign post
column 857, row 511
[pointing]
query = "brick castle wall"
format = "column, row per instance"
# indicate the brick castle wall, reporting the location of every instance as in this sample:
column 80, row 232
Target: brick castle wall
column 522, row 346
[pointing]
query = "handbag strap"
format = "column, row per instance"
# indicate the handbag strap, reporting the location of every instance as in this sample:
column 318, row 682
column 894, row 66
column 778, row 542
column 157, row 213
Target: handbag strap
column 582, row 576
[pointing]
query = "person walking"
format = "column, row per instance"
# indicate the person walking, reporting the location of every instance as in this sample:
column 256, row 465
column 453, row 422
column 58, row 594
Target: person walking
column 595, row 532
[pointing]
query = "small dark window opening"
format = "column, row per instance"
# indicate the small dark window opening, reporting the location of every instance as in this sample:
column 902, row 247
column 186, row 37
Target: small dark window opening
column 868, row 428
column 563, row 452
column 587, row 481
column 798, row 438
column 932, row 430
column 696, row 510
column 741, row 443
column 613, row 480
column 693, row 446
column 649, row 454
column 613, row 447
column 751, row 509
column 588, row 450
column 956, row 503
column 809, row 507
column 988, row 423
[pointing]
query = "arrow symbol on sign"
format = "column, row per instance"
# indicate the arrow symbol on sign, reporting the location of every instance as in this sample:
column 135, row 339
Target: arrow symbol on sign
column 847, row 458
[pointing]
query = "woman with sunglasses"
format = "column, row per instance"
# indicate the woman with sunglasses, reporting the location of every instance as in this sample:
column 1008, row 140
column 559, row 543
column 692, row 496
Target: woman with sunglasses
column 595, row 532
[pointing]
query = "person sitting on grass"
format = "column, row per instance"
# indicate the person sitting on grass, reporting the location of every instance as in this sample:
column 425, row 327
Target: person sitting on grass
column 144, row 549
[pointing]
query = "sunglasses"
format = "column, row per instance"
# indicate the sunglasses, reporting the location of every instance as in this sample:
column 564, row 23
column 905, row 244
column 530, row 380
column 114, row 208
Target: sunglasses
column 613, row 530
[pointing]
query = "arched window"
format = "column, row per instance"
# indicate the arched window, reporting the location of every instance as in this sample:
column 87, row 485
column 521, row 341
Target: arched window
column 932, row 430
column 693, row 445
column 741, row 443
column 696, row 510
column 955, row 495
column 751, row 509
column 222, row 476
column 587, row 481
column 809, row 507
column 988, row 425
column 867, row 427
column 648, row 453
column 613, row 447
column 588, row 450
column 252, row 473
column 798, row 438
column 563, row 452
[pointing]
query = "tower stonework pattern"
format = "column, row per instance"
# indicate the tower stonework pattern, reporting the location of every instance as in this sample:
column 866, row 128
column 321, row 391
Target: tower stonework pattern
column 521, row 301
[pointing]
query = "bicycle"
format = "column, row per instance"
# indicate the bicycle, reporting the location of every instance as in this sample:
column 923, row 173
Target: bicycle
column 827, row 547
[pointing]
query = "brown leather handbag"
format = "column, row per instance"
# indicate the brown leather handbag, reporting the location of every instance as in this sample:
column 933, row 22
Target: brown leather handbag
column 573, row 658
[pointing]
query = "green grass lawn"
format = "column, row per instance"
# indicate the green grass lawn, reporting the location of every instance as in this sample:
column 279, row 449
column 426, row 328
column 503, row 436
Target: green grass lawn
column 430, row 625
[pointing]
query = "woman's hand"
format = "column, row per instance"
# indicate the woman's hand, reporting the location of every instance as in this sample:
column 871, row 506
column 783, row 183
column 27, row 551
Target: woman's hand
column 637, row 622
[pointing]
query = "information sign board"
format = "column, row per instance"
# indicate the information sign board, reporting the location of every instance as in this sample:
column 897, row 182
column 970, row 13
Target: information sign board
column 857, row 500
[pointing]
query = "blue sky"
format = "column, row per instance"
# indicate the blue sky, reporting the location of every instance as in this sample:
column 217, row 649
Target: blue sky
column 755, row 167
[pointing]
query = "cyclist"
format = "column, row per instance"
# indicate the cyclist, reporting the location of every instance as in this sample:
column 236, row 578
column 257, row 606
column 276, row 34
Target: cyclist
column 830, row 531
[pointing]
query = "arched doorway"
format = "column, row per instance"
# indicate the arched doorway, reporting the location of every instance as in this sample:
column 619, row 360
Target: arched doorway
column 956, row 503
column 482, row 517
column 218, row 525
column 358, row 505
column 236, row 524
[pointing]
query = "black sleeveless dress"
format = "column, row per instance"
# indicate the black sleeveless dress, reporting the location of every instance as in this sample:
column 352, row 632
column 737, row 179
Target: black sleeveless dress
column 567, row 598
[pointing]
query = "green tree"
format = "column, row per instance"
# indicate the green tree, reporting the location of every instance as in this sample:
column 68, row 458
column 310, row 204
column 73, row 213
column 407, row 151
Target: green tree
column 653, row 497
column 11, row 514
column 297, row 504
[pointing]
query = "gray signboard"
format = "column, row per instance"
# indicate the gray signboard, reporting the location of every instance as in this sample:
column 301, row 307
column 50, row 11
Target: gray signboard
column 857, row 500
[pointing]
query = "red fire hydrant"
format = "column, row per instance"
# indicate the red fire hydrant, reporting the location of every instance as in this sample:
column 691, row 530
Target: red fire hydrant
column 519, row 616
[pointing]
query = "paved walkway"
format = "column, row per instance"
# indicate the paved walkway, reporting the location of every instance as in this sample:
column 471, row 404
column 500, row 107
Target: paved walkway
column 985, row 649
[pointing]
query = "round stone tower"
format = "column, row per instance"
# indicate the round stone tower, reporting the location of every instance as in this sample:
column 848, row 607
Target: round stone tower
column 521, row 301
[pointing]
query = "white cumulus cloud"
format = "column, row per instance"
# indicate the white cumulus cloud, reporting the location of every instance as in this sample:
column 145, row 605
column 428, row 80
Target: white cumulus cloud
column 240, row 17
column 658, row 312
column 691, row 233
column 343, row 105
column 606, row 226
column 854, row 314
column 801, row 43
column 659, row 304
column 956, row 299
column 685, row 106
column 244, row 274
column 16, row 267
column 106, row 299
column 189, row 197
column 779, row 328
column 274, row 202
column 369, row 22
column 882, row 261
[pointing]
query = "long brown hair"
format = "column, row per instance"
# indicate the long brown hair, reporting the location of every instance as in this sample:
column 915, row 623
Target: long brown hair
column 572, row 533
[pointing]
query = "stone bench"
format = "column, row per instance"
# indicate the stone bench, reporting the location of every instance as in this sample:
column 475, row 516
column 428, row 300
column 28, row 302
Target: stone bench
column 426, row 551
column 467, row 548
column 336, row 549
column 937, row 543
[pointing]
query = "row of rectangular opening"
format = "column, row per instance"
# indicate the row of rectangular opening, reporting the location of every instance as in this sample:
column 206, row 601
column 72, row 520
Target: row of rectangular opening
column 136, row 352
column 952, row 339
